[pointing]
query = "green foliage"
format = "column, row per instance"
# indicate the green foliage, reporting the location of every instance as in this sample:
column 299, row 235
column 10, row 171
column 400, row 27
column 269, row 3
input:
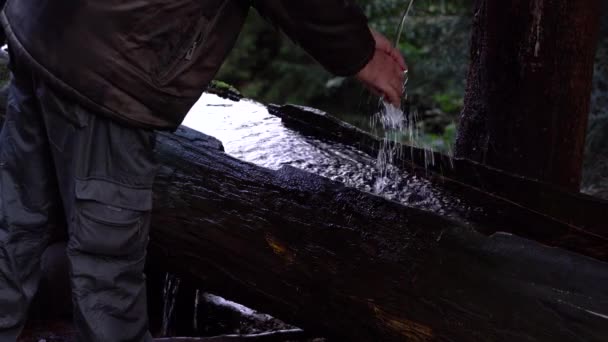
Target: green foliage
column 266, row 66
column 440, row 142
column 448, row 102
column 223, row 86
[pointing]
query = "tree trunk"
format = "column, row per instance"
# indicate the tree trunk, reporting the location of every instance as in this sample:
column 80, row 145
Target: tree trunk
column 529, row 85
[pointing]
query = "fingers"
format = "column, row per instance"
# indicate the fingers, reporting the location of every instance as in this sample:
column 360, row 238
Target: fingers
column 396, row 55
column 397, row 78
column 394, row 78
column 390, row 85
column 398, row 89
column 385, row 76
column 387, row 92
column 384, row 90
column 383, row 44
column 393, row 95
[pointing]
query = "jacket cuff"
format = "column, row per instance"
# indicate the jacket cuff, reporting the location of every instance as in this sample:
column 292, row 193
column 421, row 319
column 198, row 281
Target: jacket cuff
column 357, row 61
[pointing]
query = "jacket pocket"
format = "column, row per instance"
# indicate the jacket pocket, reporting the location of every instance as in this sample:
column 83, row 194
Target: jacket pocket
column 188, row 52
column 184, row 54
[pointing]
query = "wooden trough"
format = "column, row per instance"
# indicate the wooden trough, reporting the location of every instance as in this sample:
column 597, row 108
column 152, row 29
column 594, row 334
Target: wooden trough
column 353, row 266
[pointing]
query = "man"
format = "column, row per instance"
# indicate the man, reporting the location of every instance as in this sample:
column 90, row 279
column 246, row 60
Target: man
column 92, row 81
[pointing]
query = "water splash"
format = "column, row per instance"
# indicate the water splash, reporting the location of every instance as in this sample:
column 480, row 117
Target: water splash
column 392, row 119
column 396, row 123
column 399, row 124
column 170, row 289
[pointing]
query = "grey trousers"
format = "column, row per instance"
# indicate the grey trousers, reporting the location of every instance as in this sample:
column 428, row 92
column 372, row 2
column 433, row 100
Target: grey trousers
column 62, row 163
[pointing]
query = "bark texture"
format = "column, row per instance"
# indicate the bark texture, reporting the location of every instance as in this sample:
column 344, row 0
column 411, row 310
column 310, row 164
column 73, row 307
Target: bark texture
column 355, row 267
column 506, row 202
column 529, row 84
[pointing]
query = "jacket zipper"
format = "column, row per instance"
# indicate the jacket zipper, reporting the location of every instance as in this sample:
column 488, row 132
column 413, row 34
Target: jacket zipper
column 192, row 49
column 195, row 42
column 199, row 39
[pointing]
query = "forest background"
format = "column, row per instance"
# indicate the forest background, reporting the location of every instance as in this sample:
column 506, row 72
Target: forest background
column 268, row 67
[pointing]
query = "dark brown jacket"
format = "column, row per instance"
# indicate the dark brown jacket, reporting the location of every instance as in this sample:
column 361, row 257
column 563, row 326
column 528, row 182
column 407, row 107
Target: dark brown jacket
column 146, row 62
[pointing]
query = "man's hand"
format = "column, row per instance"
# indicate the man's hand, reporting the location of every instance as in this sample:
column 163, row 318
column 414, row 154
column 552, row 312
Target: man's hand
column 384, row 74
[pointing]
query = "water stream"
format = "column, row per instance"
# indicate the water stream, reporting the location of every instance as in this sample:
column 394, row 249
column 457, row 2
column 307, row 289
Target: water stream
column 397, row 123
column 250, row 133
column 404, row 17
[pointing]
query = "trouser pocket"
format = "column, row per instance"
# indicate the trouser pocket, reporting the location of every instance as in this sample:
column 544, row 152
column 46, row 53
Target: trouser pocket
column 109, row 231
column 106, row 250
column 110, row 219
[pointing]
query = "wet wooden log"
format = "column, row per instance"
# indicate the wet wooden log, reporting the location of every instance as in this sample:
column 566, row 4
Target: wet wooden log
column 511, row 203
column 356, row 267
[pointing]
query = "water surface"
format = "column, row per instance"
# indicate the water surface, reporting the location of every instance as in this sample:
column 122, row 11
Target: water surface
column 250, row 133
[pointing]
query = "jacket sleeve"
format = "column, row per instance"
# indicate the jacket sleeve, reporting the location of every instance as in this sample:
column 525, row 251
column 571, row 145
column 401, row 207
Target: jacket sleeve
column 334, row 32
column 2, row 33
